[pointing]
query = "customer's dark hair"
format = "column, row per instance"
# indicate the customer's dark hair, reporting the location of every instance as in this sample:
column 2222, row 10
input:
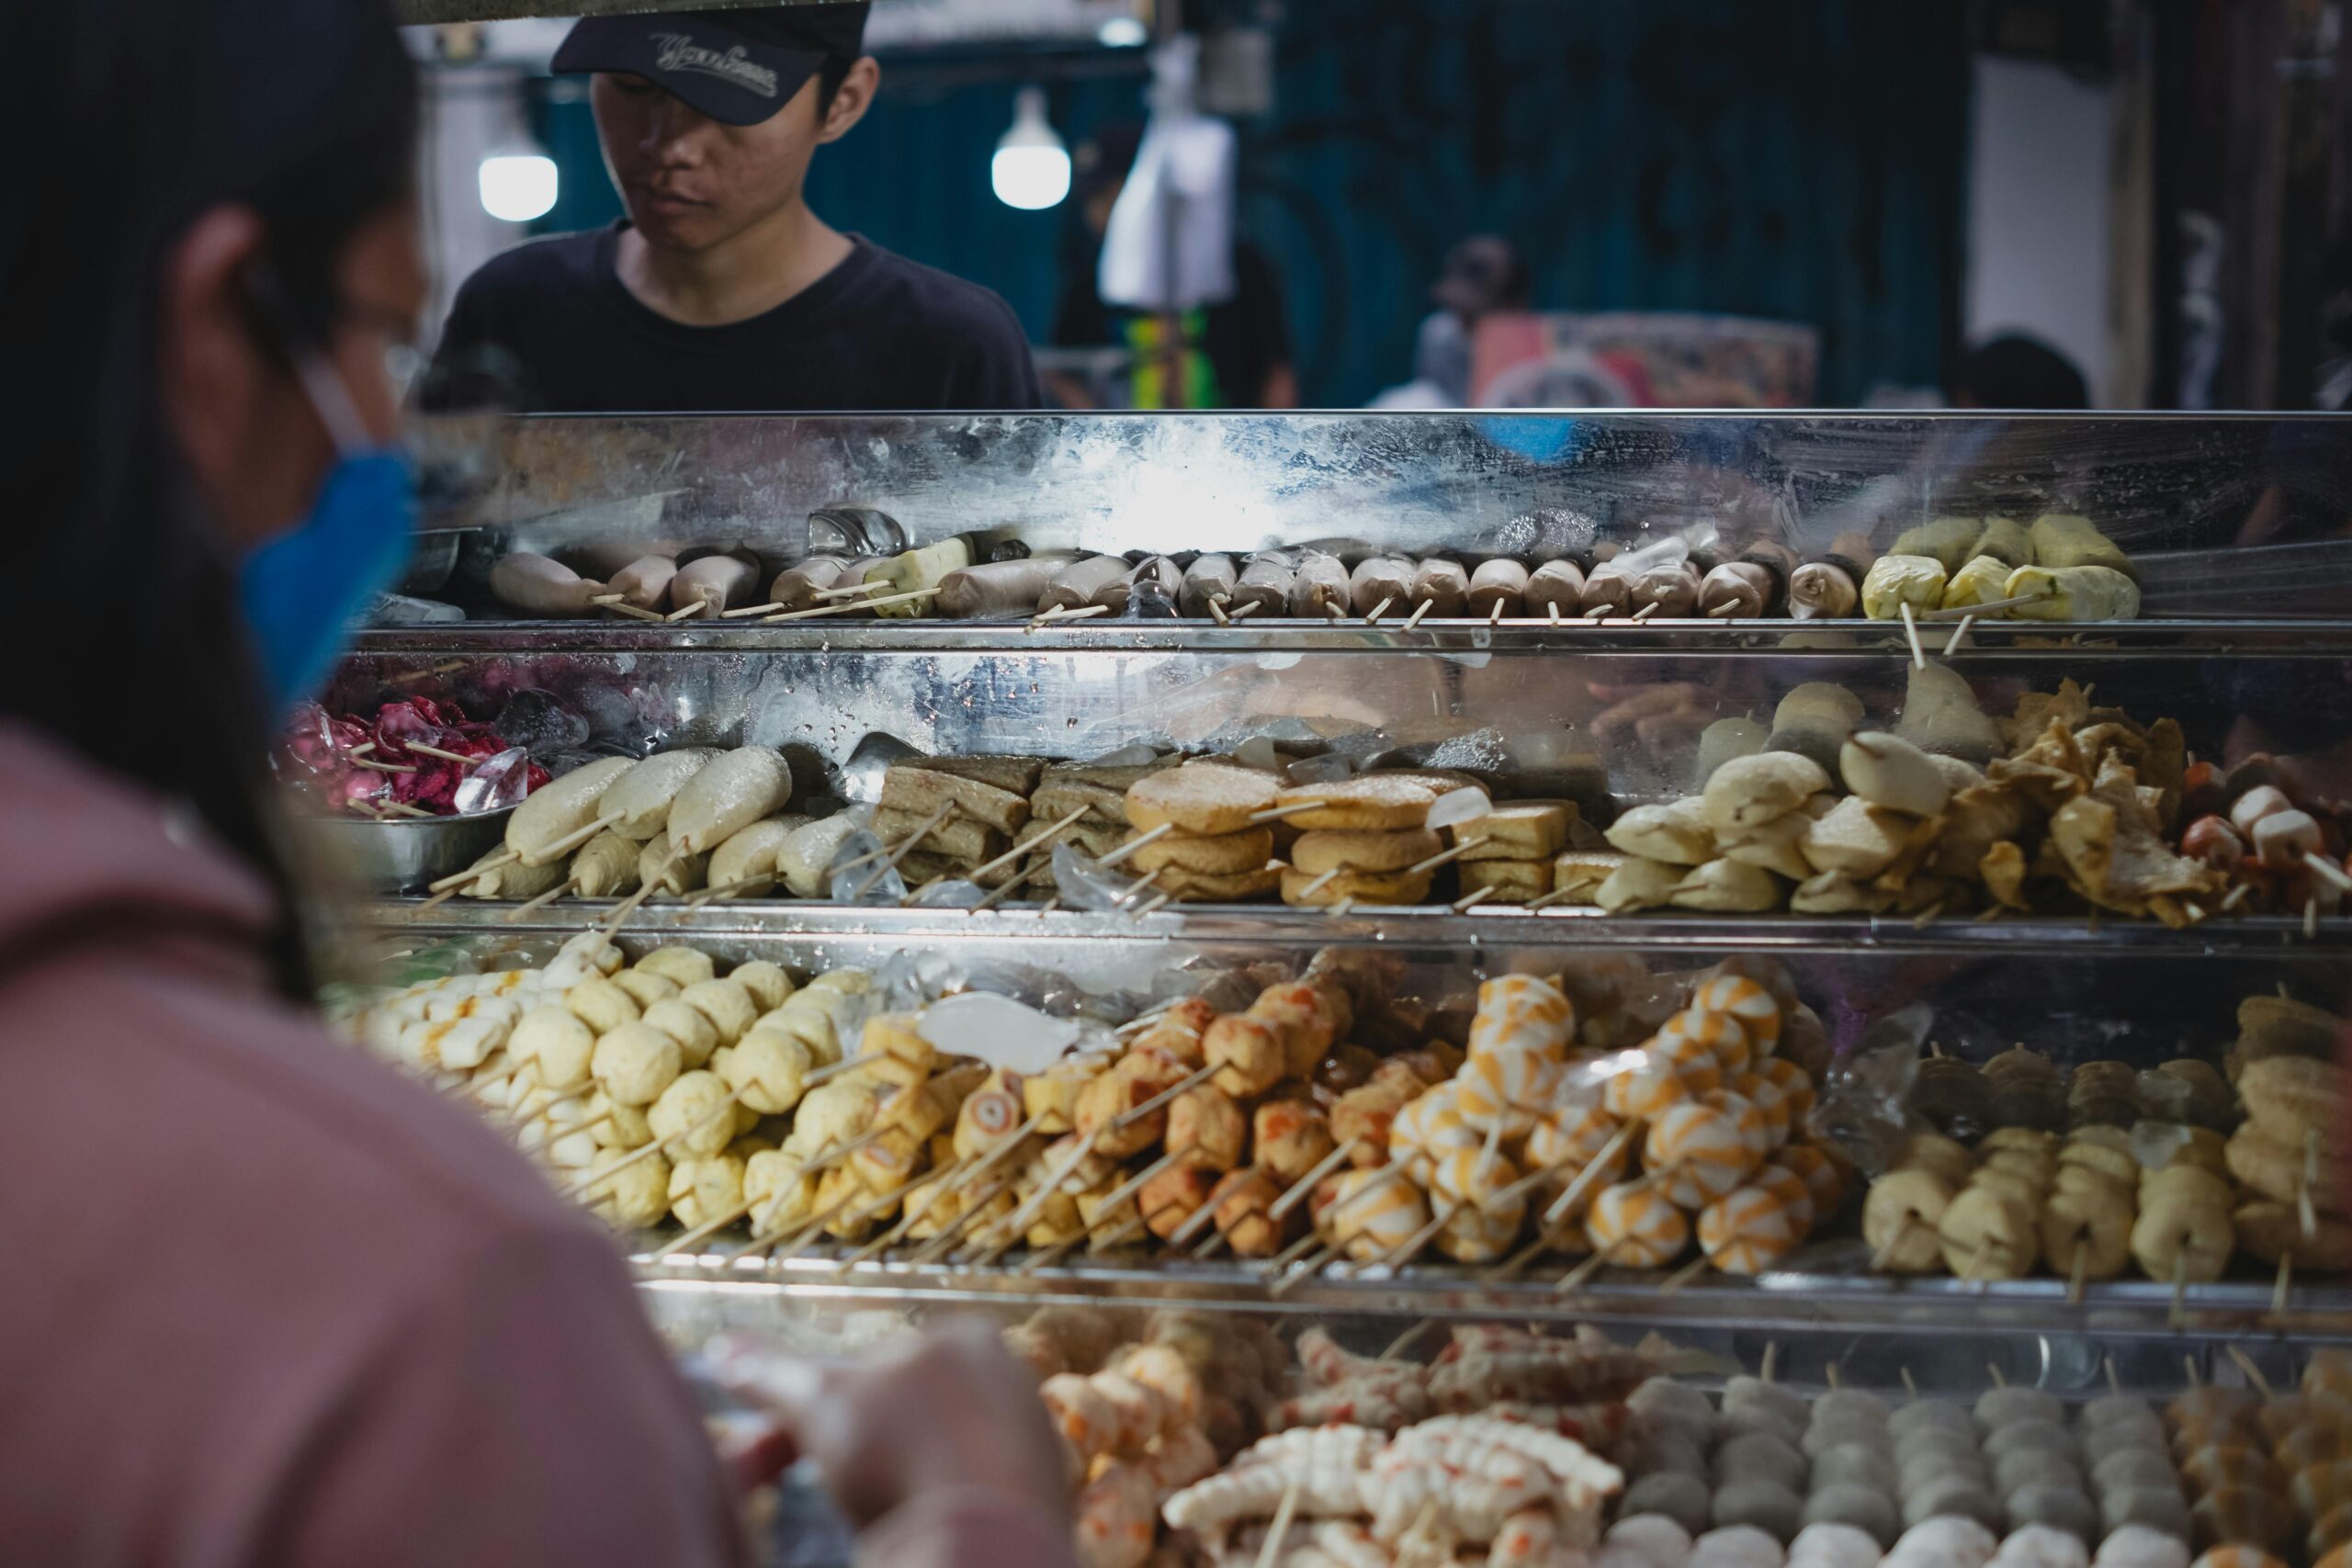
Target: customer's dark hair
column 829, row 77
column 135, row 118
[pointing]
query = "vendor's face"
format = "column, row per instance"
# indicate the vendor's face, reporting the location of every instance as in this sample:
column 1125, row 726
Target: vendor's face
column 690, row 182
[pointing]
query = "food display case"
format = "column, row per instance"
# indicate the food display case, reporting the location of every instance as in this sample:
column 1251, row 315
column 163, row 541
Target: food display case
column 2053, row 1027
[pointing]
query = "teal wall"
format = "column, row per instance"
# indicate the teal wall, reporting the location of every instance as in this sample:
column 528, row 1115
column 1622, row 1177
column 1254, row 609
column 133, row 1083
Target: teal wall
column 1802, row 160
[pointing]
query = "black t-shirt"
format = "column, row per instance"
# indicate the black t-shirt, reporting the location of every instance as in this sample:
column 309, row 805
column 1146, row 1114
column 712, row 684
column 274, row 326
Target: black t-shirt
column 550, row 328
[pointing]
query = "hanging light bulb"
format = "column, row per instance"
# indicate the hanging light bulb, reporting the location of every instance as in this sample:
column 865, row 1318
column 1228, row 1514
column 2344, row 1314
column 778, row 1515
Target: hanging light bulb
column 1031, row 170
column 518, row 183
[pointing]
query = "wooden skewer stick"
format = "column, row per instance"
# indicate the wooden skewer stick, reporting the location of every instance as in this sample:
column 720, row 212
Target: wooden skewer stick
column 1772, row 1358
column 1248, row 610
column 1294, row 1252
column 846, row 1064
column 374, row 766
column 1583, row 1180
column 1195, row 1223
column 854, row 590
column 1189, row 1081
column 1472, row 899
column 2253, row 1374
column 551, row 896
column 459, row 758
column 1557, row 896
column 704, row 1232
column 1132, row 845
column 2286, row 1281
column 1137, row 889
column 1965, row 612
column 1598, row 613
column 2328, row 870
column 809, row 1232
column 403, row 808
column 1320, row 882
column 1041, row 842
column 684, row 611
column 1911, row 631
column 1046, row 1256
column 1313, row 1263
column 1116, row 1236
column 1552, row 612
column 726, row 1107
column 1724, row 611
column 1574, row 1279
column 635, row 901
column 1379, row 610
column 1380, row 1178
column 747, row 611
column 840, row 1152
column 1013, row 883
column 1019, row 1223
column 853, row 607
column 1133, row 1184
column 460, row 878
column 1397, row 1346
column 1646, row 611
column 1276, row 813
column 1332, row 613
column 1152, row 905
column 697, row 898
column 1271, row 1553
column 570, row 842
column 1402, row 1253
column 2179, row 1313
column 1300, row 1190
column 1439, row 858
column 943, row 1182
column 1217, row 611
column 2114, row 1379
column 1951, row 644
column 2078, row 1275
column 1494, row 614
column 1684, row 1275
column 441, row 898
column 1419, row 610
column 1878, row 1258
column 619, row 605
column 951, row 1236
column 1911, row 1385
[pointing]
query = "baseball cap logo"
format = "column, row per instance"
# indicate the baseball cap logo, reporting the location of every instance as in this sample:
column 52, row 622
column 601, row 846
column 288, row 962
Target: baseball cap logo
column 679, row 52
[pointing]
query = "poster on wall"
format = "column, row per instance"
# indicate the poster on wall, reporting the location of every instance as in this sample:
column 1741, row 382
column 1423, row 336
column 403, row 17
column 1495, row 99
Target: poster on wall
column 1641, row 359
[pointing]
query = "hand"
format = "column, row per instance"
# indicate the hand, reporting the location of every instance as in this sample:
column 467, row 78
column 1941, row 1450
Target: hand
column 950, row 1409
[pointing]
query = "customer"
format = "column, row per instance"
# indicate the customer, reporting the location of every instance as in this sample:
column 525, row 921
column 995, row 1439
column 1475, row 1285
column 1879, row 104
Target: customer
column 722, row 290
column 2015, row 371
column 264, row 1303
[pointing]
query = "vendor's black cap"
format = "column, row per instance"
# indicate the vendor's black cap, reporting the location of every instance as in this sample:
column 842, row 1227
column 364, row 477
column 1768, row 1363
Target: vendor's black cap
column 737, row 67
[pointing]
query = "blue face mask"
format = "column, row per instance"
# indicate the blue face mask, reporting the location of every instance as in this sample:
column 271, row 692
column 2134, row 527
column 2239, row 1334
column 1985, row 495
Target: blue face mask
column 303, row 589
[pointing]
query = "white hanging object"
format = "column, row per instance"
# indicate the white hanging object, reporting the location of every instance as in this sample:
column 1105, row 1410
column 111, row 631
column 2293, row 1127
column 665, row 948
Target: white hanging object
column 998, row 1031
column 1169, row 245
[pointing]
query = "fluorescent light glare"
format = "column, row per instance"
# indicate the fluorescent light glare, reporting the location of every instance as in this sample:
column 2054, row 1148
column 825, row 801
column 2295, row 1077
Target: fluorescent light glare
column 517, row 187
column 1123, row 32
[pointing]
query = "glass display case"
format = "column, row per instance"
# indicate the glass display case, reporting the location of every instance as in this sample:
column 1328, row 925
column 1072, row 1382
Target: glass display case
column 2146, row 948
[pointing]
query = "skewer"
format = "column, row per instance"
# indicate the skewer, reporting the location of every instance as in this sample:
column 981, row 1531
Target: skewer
column 1042, row 840
column 1557, row 896
column 1381, row 1178
column 1138, row 842
column 2179, row 1313
column 1011, row 884
column 950, row 1239
column 1111, row 1238
column 2253, row 1374
column 1314, row 1263
column 1402, row 1253
column 684, row 611
column 1772, row 1358
column 571, row 840
column 589, row 1184
column 1217, row 611
column 2236, row 896
column 1397, row 1346
column 1189, row 1081
column 1951, row 646
column 1332, row 613
column 1965, row 612
column 441, row 898
column 854, row 590
column 1574, row 1279
column 1379, row 610
column 1193, row 1224
column 459, row 758
column 364, row 809
column 1057, row 615
column 2328, row 872
column 1294, row 1252
column 1320, row 882
column 1248, row 610
column 549, row 897
column 1494, row 614
column 1552, row 610
column 944, row 1178
column 1911, row 1385
column 1646, row 611
column 1212, row 1246
column 841, row 1152
column 748, row 610
column 1019, row 1223
column 1597, row 613
column 808, row 1233
column 1276, row 813
column 1583, row 1180
column 2080, row 1273
column 2306, row 1215
column 1133, row 1184
column 1137, row 889
column 908, row 598
column 1046, row 1258
column 374, row 766
column 697, row 898
column 1456, row 852
column 1419, row 610
column 1472, row 899
column 703, row 1233
column 460, row 878
column 1271, row 1553
column 846, row 1064
column 635, row 901
column 1305, row 1184
column 1341, row 909
column 1724, row 611
column 403, row 808
column 1911, row 631
column 2286, row 1281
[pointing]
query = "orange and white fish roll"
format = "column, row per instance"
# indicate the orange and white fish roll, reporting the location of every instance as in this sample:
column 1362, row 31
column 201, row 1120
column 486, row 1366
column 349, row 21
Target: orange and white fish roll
column 1740, row 997
column 1523, row 1011
column 1369, row 1220
column 1770, row 1101
column 1718, row 1033
column 1636, row 1225
column 1790, row 1188
column 1697, row 1153
column 1746, row 1231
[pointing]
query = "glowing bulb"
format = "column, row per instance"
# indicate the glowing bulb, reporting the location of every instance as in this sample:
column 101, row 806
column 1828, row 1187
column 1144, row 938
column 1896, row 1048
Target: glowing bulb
column 1123, row 32
column 1031, row 170
column 518, row 187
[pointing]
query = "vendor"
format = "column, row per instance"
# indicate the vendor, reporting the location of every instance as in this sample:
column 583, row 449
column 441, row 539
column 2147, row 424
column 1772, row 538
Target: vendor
column 721, row 291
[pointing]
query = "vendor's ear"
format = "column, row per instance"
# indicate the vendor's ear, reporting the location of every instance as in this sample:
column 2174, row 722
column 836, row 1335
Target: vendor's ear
column 850, row 101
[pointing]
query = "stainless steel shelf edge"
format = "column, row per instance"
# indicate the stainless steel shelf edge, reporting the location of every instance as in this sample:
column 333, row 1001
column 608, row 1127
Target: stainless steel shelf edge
column 1786, row 1302
column 2086, row 642
column 1421, row 926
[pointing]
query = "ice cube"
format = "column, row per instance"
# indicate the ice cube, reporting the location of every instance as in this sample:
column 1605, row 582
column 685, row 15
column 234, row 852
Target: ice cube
column 860, row 873
column 534, row 721
column 495, row 782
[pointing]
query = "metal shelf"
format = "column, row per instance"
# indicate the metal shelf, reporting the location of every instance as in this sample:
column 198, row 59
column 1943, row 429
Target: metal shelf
column 1424, row 926
column 1795, row 1301
column 2088, row 642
